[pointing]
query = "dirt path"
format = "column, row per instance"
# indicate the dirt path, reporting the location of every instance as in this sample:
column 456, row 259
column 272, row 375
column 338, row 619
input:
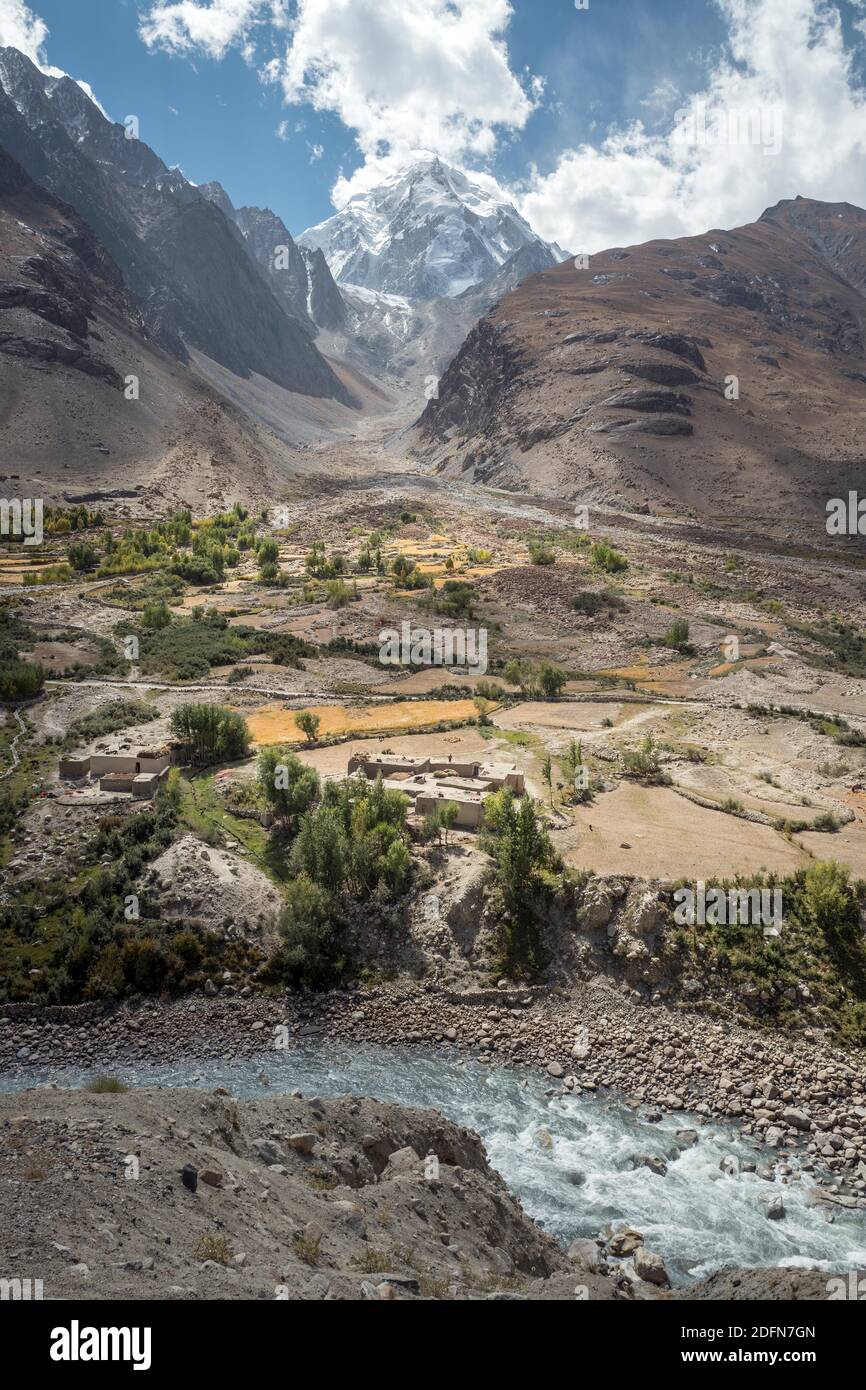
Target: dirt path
column 13, row 748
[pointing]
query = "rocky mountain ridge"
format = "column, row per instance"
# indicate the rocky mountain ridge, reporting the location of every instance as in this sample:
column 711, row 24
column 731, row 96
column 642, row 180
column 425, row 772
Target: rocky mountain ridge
column 189, row 267
column 723, row 372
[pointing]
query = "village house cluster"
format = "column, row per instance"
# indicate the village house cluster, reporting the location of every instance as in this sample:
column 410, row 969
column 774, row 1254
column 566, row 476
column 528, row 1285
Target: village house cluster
column 136, row 774
column 430, row 782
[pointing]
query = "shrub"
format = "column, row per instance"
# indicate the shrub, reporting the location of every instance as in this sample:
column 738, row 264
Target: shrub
column 20, row 680
column 156, row 616
column 109, row 718
column 456, row 599
column 604, row 557
column 590, row 603
column 643, row 763
column 541, row 552
column 106, row 1086
column 195, row 570
column 82, row 557
column 215, row 1248
column 677, row 635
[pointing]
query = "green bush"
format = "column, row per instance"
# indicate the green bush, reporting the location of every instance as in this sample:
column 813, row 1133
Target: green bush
column 604, row 557
column 541, row 552
column 677, row 635
column 310, row 955
column 643, row 763
column 82, row 557
column 20, row 680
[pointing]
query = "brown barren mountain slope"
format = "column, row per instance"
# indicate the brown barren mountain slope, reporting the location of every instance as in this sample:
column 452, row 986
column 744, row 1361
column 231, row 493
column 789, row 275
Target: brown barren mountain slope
column 70, row 338
column 608, row 383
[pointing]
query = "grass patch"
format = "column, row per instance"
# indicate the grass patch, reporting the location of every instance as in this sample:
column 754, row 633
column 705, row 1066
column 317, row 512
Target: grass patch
column 306, row 1247
column 214, row 1248
column 106, row 1086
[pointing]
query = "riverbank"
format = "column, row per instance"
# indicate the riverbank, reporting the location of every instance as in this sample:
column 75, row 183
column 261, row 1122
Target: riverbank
column 178, row 1194
column 795, row 1096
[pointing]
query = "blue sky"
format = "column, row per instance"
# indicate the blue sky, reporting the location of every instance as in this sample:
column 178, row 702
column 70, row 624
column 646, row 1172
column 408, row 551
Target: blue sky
column 599, row 65
column 535, row 98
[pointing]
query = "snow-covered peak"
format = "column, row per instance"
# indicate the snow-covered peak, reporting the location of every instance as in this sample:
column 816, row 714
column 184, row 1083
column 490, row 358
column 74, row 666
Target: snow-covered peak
column 426, row 232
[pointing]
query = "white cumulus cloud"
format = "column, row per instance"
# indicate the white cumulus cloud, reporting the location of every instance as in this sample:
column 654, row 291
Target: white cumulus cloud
column 21, row 28
column 402, row 75
column 781, row 113
column 182, row 25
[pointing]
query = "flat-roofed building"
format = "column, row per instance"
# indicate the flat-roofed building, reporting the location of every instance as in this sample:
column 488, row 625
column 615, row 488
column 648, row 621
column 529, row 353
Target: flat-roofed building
column 431, row 782
column 117, row 781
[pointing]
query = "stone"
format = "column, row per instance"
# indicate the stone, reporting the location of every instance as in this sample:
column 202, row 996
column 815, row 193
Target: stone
column 268, row 1150
column 774, row 1208
column 302, row 1143
column 650, row 1267
column 796, row 1119
column 624, row 1242
column 189, row 1177
column 653, row 1162
column 586, row 1254
column 403, row 1163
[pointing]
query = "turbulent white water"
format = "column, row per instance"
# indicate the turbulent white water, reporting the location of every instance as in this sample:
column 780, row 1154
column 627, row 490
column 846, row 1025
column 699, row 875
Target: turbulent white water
column 569, row 1160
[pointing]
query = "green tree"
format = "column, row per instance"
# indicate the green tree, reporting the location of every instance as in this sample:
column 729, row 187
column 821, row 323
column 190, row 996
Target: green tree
column 551, row 679
column 20, row 680
column 572, row 768
column 482, row 707
column 448, row 817
column 402, row 567
column 677, row 635
column 513, row 671
column 212, row 732
column 308, row 723
column 519, row 844
column 288, row 785
column 82, row 557
column 547, row 775
column 310, row 955
column 268, row 555
column 829, row 901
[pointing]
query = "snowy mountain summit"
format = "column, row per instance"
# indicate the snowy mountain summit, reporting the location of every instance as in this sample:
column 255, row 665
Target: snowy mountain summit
column 427, row 232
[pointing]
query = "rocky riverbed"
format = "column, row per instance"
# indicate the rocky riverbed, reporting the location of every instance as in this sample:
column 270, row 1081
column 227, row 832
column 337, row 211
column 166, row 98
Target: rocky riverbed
column 798, row 1097
column 187, row 1194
